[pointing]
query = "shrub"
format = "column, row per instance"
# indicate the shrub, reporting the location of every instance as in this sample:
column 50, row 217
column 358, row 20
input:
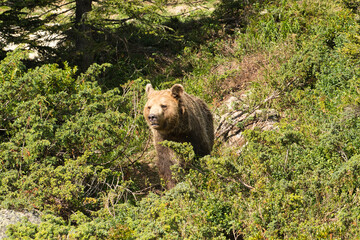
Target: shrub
column 63, row 138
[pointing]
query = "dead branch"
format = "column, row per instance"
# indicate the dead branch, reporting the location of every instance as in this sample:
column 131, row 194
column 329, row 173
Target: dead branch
column 227, row 125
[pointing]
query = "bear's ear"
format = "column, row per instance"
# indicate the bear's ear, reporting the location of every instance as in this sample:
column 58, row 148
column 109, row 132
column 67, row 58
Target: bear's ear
column 148, row 89
column 177, row 90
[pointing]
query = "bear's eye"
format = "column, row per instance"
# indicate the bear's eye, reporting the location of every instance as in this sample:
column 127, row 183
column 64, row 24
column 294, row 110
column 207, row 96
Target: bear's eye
column 163, row 106
column 149, row 107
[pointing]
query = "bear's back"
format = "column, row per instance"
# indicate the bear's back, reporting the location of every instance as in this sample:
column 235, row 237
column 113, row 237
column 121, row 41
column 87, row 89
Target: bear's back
column 200, row 122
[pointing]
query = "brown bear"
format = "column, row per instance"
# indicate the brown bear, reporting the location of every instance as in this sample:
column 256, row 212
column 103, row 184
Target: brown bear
column 174, row 115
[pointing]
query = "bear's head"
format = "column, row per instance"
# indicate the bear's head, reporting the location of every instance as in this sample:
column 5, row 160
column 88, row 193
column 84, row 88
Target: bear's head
column 163, row 108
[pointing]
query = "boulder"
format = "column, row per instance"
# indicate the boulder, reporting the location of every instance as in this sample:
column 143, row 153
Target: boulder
column 238, row 117
column 8, row 217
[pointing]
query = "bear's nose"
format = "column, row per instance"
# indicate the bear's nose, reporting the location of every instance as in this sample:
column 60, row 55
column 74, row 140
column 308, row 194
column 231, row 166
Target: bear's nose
column 152, row 117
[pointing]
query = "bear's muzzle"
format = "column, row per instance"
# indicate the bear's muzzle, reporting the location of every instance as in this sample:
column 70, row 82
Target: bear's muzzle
column 153, row 119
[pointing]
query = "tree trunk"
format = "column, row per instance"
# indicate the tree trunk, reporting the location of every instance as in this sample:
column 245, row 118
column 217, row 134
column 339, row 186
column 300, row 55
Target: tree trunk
column 83, row 35
column 82, row 7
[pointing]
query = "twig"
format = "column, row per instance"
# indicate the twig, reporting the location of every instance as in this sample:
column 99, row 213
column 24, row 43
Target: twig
column 274, row 95
column 234, row 181
column 343, row 155
column 142, row 154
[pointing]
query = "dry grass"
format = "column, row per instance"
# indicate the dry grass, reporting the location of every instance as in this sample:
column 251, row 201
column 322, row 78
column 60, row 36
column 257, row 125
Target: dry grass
column 253, row 67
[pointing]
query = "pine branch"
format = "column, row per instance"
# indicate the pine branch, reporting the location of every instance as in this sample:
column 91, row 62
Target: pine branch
column 56, row 8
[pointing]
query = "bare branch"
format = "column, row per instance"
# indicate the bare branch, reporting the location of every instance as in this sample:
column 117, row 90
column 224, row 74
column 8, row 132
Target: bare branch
column 235, row 181
column 224, row 132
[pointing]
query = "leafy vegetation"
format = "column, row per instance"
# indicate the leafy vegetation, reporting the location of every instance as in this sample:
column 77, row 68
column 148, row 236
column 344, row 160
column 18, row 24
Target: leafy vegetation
column 76, row 148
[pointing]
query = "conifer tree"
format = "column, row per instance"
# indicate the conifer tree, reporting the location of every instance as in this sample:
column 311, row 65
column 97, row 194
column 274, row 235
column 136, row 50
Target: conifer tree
column 79, row 31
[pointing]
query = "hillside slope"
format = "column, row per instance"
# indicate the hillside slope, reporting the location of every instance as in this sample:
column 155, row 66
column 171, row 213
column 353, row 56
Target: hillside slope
column 62, row 156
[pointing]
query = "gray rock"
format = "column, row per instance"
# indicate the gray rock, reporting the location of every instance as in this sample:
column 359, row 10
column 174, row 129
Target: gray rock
column 8, row 217
column 238, row 118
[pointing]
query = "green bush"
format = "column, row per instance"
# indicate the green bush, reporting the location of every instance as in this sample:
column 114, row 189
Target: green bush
column 62, row 138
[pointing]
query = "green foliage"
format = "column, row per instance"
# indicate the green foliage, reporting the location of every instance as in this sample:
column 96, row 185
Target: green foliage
column 62, row 138
column 183, row 150
column 74, row 151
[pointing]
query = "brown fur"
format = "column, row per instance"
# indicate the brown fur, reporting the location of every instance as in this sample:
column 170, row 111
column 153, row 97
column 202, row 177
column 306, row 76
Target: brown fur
column 174, row 115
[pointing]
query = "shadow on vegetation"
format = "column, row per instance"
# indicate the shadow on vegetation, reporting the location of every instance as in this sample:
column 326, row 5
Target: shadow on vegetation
column 135, row 52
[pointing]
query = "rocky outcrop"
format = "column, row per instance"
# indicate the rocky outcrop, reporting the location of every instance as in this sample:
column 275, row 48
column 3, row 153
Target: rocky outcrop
column 239, row 117
column 8, row 217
